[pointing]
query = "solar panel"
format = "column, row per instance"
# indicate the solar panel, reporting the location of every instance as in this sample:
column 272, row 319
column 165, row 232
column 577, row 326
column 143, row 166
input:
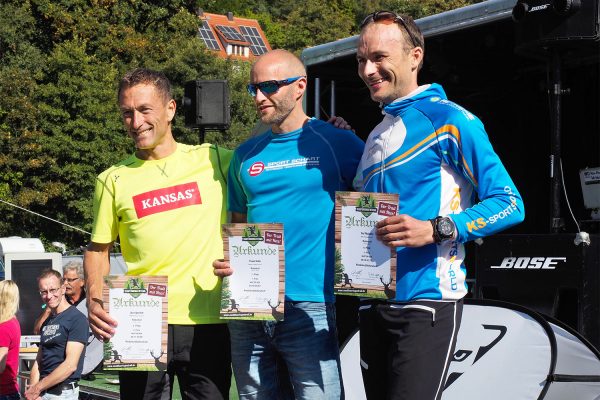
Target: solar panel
column 257, row 45
column 230, row 33
column 209, row 38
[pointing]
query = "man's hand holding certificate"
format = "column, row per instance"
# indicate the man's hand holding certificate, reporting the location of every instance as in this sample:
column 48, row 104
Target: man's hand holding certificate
column 365, row 266
column 139, row 304
column 256, row 288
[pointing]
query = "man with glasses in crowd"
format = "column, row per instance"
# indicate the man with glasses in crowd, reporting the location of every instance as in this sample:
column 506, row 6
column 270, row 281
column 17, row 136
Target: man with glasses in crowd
column 74, row 291
column 299, row 194
column 59, row 362
column 436, row 155
column 74, row 282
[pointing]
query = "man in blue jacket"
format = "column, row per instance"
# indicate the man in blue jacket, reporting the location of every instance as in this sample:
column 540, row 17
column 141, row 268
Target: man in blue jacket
column 452, row 188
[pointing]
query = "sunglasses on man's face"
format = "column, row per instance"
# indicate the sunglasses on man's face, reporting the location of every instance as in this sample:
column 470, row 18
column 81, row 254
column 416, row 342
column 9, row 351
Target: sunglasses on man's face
column 270, row 87
column 390, row 18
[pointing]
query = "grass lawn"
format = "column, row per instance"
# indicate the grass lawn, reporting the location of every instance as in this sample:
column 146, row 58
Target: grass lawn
column 107, row 381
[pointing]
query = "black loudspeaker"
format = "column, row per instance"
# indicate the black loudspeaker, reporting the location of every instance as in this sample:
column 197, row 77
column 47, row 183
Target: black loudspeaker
column 546, row 273
column 206, row 104
column 555, row 22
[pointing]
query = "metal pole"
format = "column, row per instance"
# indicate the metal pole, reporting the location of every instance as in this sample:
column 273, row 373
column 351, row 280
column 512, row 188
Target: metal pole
column 201, row 134
column 318, row 98
column 556, row 91
column 332, row 100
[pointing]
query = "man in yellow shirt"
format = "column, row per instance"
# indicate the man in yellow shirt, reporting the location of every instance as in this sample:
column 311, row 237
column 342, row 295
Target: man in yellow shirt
column 166, row 203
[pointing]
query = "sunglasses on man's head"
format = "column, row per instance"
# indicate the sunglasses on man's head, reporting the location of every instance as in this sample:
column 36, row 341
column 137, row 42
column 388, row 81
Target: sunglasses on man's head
column 388, row 17
column 270, row 87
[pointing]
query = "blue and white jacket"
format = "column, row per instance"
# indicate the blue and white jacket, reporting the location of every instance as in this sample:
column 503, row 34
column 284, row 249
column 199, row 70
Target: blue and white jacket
column 437, row 156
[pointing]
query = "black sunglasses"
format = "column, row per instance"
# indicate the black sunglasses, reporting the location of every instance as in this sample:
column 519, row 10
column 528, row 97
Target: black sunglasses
column 270, row 87
column 391, row 17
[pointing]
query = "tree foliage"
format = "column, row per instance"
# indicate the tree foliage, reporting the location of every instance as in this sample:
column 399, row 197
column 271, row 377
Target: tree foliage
column 60, row 65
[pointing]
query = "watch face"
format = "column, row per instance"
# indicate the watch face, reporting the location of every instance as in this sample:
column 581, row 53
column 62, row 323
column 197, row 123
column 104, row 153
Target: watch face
column 445, row 227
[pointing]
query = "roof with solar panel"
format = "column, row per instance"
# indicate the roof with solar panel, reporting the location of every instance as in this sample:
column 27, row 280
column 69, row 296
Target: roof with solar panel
column 230, row 36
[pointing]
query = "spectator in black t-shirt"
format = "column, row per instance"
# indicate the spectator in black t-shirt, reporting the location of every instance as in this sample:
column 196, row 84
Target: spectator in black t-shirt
column 74, row 281
column 57, row 368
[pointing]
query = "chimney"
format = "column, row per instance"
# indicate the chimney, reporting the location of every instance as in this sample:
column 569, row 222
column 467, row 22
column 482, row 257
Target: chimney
column 230, row 16
column 199, row 12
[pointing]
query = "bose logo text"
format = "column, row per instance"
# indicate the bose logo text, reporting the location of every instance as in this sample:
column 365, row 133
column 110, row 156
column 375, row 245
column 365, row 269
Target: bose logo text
column 539, row 8
column 529, row 262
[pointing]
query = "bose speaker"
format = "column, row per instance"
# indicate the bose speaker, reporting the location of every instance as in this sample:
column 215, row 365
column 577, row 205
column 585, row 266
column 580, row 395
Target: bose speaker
column 545, row 23
column 206, row 104
column 547, row 273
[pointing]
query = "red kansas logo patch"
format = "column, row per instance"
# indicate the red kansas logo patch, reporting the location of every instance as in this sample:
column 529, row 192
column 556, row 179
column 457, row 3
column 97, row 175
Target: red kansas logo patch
column 166, row 199
column 256, row 168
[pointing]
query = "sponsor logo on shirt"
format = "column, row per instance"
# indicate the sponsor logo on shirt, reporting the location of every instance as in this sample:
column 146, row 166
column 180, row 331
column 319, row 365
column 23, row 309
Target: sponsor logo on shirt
column 466, row 113
column 258, row 167
column 480, row 223
column 166, row 199
column 49, row 332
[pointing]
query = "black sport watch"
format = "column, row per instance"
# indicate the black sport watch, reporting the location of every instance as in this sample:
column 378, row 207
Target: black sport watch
column 443, row 229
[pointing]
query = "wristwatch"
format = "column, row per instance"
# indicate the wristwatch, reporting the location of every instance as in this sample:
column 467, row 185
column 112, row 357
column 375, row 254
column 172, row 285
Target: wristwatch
column 443, row 229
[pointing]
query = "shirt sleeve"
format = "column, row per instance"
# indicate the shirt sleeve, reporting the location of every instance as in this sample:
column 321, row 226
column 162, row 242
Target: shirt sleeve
column 236, row 197
column 105, row 228
column 500, row 205
column 353, row 148
column 225, row 157
column 4, row 334
column 79, row 330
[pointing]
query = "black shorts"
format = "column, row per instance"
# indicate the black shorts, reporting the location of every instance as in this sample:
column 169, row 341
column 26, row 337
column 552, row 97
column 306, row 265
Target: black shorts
column 200, row 357
column 406, row 348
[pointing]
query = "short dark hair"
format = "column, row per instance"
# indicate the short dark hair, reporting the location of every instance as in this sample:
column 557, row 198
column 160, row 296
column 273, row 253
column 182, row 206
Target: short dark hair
column 48, row 273
column 407, row 25
column 144, row 76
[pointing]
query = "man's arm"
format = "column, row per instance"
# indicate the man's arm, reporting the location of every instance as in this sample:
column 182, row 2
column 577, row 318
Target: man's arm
column 222, row 267
column 60, row 373
column 37, row 325
column 34, row 376
column 96, row 266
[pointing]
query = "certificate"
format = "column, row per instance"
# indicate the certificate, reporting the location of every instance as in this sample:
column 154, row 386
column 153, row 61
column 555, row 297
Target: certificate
column 139, row 304
column 255, row 290
column 364, row 265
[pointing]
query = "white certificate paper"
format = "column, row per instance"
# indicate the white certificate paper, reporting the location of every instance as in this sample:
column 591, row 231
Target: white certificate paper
column 139, row 304
column 364, row 265
column 255, row 291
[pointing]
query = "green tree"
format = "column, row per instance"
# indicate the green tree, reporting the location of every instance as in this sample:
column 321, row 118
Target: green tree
column 414, row 8
column 60, row 61
column 108, row 346
column 59, row 120
column 338, row 268
column 225, row 294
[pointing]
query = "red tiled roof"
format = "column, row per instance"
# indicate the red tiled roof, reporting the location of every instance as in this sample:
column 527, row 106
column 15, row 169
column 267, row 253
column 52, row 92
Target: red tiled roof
column 223, row 41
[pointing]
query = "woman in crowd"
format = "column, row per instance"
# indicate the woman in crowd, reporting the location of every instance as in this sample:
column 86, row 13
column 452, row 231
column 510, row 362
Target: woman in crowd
column 10, row 339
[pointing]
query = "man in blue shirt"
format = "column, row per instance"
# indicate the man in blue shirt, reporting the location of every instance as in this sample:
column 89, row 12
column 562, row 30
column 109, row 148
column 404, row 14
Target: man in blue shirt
column 289, row 174
column 452, row 188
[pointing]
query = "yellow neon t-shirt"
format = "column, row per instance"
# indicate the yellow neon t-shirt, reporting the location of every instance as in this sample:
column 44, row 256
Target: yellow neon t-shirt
column 168, row 215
